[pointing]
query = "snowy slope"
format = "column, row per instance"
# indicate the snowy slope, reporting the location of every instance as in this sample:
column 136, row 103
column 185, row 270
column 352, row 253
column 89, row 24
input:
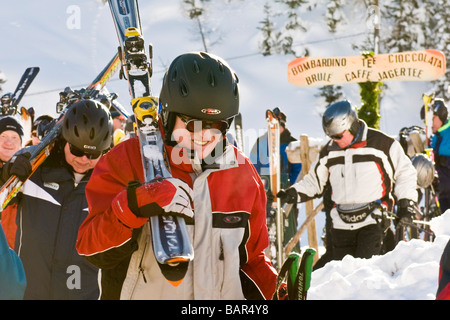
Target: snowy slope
column 71, row 41
column 409, row 272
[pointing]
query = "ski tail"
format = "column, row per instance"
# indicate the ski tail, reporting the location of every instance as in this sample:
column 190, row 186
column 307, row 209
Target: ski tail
column 136, row 68
column 296, row 273
column 288, row 273
column 22, row 87
column 303, row 280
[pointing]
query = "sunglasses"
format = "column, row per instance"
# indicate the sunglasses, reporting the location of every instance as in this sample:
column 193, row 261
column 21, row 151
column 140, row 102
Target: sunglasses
column 79, row 153
column 193, row 125
column 337, row 136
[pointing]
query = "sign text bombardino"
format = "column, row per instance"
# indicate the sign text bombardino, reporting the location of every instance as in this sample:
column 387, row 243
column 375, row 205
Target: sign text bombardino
column 425, row 65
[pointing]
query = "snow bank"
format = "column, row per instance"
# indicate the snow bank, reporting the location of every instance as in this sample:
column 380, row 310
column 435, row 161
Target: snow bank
column 409, row 272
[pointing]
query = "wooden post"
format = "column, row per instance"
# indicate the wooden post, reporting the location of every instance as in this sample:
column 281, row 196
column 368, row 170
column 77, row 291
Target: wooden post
column 309, row 205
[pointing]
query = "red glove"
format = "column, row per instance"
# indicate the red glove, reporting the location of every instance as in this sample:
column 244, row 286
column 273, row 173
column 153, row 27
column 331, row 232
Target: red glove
column 283, row 292
column 134, row 205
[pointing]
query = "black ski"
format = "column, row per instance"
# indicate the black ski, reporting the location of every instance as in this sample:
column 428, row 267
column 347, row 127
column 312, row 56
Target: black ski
column 42, row 150
column 25, row 81
column 137, row 69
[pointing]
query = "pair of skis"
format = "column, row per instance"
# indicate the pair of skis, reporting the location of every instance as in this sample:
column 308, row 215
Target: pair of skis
column 173, row 260
column 10, row 101
column 296, row 273
column 42, row 150
column 296, row 269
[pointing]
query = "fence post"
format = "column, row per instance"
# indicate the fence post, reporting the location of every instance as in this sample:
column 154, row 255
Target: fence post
column 309, row 205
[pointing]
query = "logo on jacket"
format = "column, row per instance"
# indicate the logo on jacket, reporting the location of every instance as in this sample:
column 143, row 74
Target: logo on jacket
column 232, row 219
column 51, row 185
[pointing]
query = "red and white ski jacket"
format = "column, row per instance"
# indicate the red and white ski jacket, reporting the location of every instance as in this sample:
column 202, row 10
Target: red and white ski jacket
column 229, row 260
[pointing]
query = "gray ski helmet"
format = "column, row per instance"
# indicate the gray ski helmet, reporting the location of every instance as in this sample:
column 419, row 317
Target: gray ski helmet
column 88, row 126
column 199, row 85
column 338, row 117
column 425, row 170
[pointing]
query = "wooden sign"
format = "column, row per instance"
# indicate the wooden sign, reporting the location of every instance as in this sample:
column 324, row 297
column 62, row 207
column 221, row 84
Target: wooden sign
column 425, row 65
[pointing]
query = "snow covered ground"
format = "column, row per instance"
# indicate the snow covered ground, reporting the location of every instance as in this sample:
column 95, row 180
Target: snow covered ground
column 409, row 272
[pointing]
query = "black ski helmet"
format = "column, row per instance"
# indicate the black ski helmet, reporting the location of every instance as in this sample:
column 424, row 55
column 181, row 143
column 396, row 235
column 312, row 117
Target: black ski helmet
column 41, row 125
column 439, row 109
column 88, row 126
column 199, row 85
column 340, row 116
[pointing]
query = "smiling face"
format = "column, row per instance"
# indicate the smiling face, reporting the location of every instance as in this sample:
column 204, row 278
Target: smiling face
column 10, row 143
column 202, row 141
column 79, row 164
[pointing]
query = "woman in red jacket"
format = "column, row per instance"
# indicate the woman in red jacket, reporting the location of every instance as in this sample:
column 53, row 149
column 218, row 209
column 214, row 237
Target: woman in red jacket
column 214, row 186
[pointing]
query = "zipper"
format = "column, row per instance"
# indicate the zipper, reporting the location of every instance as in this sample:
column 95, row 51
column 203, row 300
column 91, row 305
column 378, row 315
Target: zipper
column 141, row 269
column 221, row 255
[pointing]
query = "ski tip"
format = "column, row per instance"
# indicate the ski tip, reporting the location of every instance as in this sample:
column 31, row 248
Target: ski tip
column 175, row 283
column 174, row 273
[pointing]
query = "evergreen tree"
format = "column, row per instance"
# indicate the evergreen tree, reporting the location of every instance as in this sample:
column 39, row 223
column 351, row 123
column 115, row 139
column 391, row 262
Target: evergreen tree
column 330, row 94
column 403, row 17
column 439, row 32
column 281, row 40
column 267, row 31
column 196, row 12
column 334, row 15
column 370, row 102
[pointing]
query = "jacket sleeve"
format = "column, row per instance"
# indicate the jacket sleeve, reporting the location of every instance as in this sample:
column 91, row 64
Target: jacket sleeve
column 258, row 277
column 313, row 184
column 405, row 174
column 103, row 238
column 12, row 274
column 443, row 292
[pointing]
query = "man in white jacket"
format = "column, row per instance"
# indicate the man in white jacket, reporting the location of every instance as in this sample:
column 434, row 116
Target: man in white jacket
column 364, row 168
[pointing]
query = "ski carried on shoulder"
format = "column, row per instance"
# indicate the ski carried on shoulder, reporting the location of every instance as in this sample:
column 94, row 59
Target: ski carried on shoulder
column 41, row 151
column 296, row 273
column 10, row 108
column 172, row 259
